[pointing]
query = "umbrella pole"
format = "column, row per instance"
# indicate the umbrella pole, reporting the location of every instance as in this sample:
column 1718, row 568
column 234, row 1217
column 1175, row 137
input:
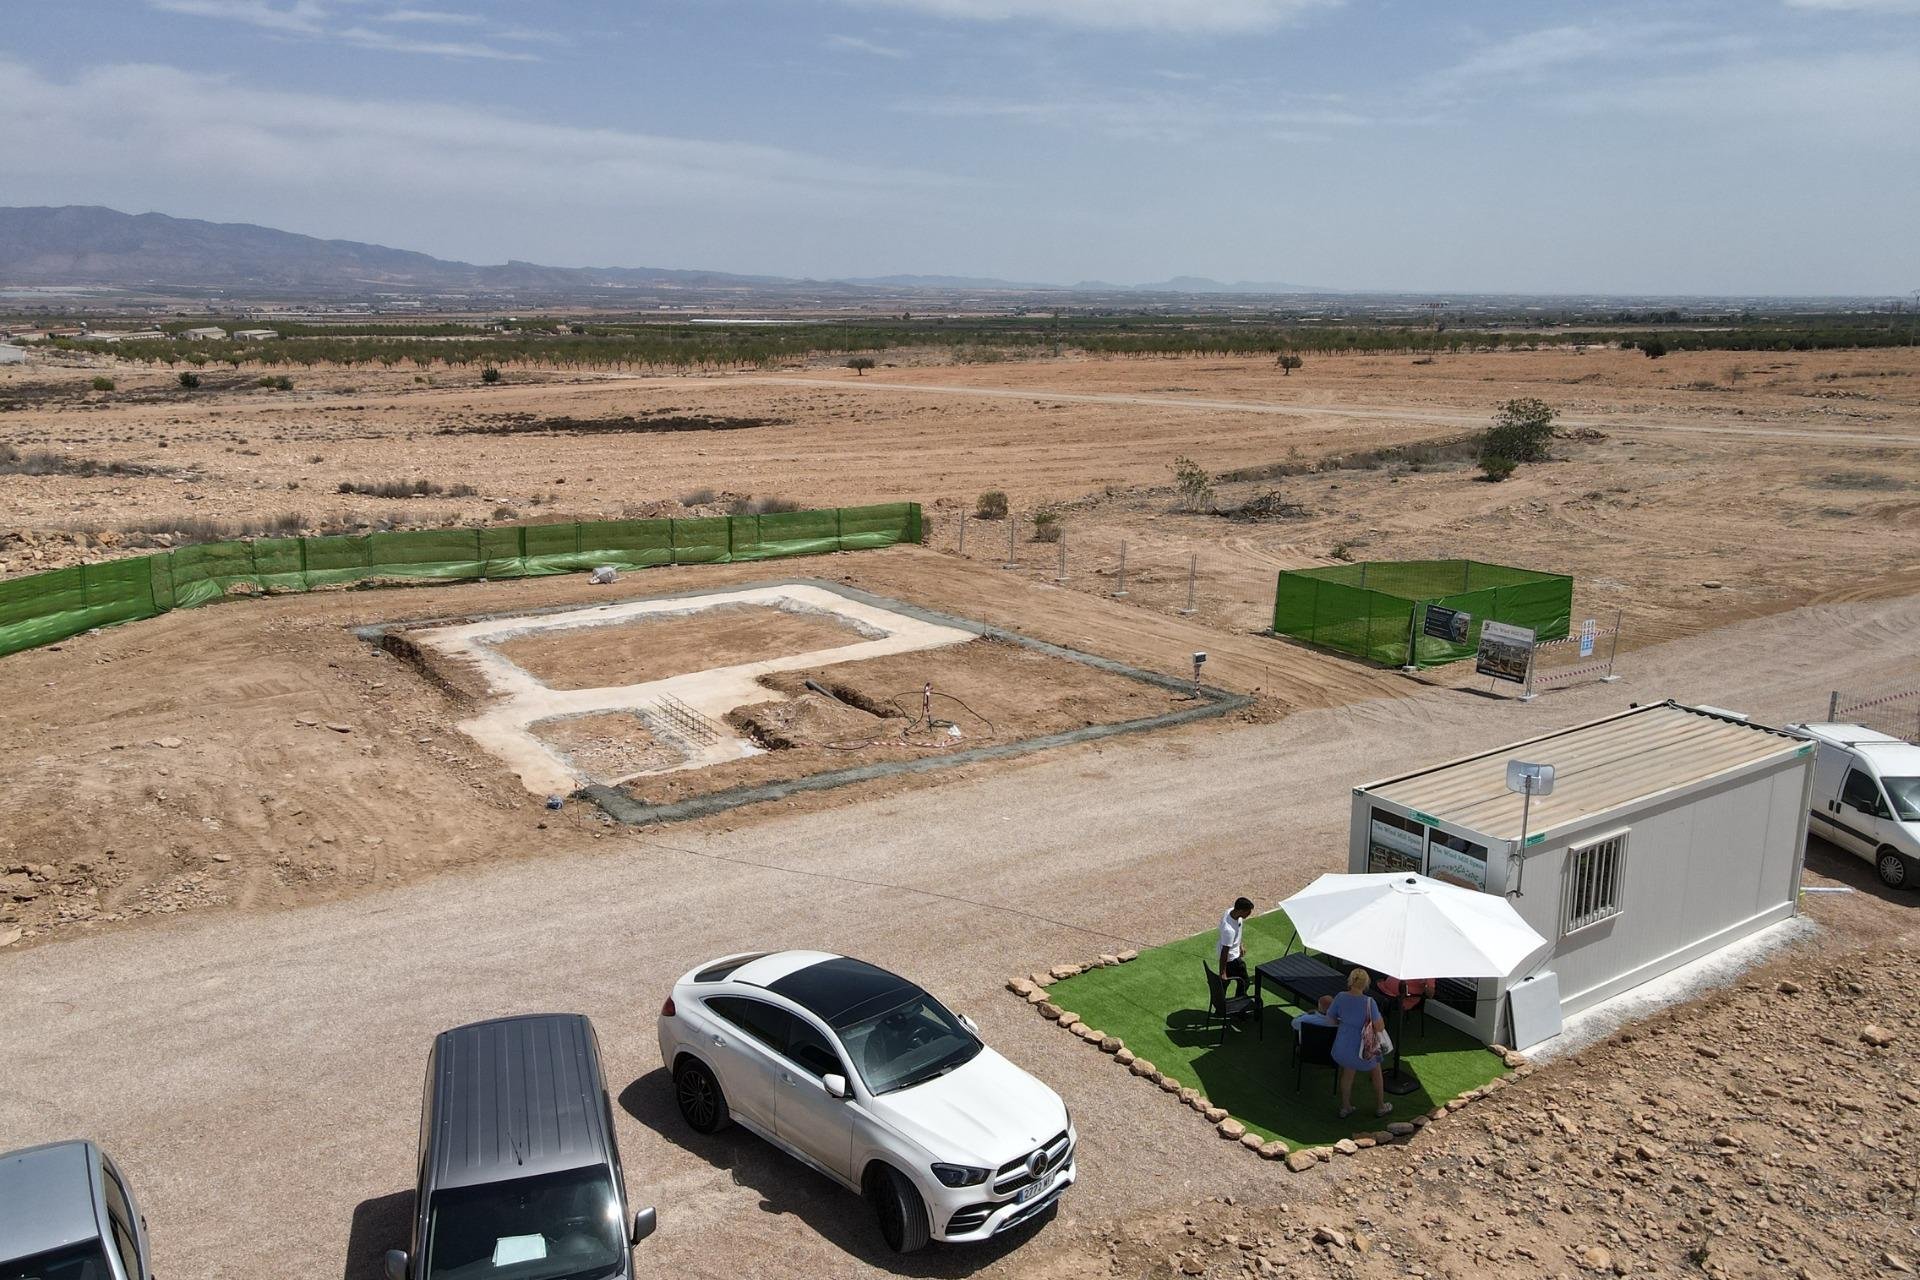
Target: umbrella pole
column 1397, row 1081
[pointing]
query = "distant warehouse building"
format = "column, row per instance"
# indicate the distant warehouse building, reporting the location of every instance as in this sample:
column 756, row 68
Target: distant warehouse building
column 255, row 335
column 1670, row 832
column 210, row 333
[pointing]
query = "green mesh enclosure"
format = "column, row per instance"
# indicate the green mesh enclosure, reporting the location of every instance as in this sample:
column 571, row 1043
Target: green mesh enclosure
column 1373, row 610
column 45, row 607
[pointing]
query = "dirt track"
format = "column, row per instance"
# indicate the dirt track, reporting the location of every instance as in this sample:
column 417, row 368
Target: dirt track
column 279, row 1053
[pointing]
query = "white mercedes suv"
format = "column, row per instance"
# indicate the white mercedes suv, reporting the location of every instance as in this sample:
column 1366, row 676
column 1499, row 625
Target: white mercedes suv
column 867, row 1078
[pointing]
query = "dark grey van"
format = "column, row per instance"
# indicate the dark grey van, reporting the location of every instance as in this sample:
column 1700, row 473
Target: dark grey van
column 519, row 1177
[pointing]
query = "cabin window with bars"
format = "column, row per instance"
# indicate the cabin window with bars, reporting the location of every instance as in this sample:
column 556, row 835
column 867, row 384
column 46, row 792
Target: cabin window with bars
column 1596, row 873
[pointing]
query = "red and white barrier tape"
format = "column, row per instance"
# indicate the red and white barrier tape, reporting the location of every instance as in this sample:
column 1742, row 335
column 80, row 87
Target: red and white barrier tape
column 1875, row 702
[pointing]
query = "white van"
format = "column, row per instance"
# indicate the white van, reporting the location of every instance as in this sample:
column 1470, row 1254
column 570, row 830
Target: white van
column 1866, row 797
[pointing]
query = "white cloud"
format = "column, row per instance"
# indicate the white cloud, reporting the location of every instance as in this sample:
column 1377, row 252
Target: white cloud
column 1151, row 115
column 432, row 17
column 312, row 19
column 858, row 44
column 1858, row 6
column 1870, row 100
column 1194, row 17
column 1549, row 51
column 302, row 17
column 130, row 131
column 388, row 42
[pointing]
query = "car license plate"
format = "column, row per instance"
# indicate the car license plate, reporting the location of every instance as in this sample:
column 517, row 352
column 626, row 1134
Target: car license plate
column 1033, row 1191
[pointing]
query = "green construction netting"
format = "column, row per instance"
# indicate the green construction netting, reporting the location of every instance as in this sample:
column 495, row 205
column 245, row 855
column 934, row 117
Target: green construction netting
column 46, row 607
column 1371, row 610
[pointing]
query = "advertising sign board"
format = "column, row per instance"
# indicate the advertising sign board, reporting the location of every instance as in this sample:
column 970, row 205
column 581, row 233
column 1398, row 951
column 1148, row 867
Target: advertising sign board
column 1447, row 624
column 1505, row 651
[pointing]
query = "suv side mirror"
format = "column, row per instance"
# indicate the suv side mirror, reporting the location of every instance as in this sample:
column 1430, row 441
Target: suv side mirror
column 836, row 1086
column 970, row 1024
column 396, row 1264
column 644, row 1224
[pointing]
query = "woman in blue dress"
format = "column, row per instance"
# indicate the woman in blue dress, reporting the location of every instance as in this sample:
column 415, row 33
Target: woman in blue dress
column 1356, row 1044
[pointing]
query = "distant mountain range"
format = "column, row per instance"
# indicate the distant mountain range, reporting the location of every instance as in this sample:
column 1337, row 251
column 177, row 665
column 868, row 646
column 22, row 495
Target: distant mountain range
column 90, row 245
column 87, row 245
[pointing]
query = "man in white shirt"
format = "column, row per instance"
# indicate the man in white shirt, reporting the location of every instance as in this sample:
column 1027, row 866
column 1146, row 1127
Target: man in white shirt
column 1233, row 964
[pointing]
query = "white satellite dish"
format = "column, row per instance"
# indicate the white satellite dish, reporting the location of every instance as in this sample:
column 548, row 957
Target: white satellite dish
column 1529, row 779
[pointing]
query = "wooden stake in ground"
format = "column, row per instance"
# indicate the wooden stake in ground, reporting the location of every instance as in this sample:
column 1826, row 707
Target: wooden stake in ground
column 1120, row 576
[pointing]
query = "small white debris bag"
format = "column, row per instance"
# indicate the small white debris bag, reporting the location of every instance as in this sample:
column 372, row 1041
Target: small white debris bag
column 603, row 575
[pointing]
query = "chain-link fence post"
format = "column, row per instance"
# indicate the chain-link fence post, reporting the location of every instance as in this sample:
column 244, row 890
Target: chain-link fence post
column 963, row 533
column 1120, row 578
column 1193, row 568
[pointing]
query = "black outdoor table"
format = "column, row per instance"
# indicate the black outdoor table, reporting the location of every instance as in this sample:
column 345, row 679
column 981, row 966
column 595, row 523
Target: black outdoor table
column 1306, row 978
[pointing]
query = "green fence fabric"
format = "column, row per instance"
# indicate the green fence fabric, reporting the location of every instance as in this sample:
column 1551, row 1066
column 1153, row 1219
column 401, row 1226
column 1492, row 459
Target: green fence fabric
column 46, row 607
column 1372, row 610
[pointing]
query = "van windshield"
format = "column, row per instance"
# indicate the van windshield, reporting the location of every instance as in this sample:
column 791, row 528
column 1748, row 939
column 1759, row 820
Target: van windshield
column 75, row 1262
column 1905, row 794
column 553, row 1226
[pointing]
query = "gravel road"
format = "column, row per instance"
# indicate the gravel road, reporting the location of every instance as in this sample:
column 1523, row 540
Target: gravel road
column 258, row 1073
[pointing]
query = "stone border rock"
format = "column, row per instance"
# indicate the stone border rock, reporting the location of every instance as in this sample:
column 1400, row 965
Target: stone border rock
column 1033, row 990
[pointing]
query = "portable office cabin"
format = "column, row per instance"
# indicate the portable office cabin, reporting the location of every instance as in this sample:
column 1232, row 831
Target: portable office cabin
column 1671, row 832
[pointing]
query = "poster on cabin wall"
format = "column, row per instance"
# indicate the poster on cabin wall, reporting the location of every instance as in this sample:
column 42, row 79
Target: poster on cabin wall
column 1457, row 861
column 1394, row 843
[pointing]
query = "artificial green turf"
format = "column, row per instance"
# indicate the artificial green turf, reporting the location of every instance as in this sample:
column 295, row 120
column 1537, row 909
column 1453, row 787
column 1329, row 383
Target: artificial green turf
column 1158, row 1005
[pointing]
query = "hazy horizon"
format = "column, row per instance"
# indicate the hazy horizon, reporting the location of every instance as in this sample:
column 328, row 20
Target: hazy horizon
column 1700, row 147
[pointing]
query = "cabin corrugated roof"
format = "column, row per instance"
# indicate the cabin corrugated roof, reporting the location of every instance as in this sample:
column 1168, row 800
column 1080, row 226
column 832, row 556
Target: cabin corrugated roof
column 1598, row 768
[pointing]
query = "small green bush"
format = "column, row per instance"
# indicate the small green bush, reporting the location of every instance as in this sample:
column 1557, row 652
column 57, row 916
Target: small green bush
column 1195, row 484
column 1046, row 525
column 189, row 379
column 860, row 364
column 489, row 375
column 103, row 384
column 1496, row 468
column 991, row 505
column 1521, row 431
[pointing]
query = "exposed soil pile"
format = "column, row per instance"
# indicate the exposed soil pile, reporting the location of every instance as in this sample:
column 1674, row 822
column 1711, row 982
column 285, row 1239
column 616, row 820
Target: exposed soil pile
column 515, row 424
column 989, row 690
column 814, row 719
column 608, row 745
column 653, row 648
column 1764, row 1131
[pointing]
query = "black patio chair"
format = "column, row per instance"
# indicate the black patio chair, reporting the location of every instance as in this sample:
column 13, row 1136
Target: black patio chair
column 1313, row 1047
column 1227, row 1009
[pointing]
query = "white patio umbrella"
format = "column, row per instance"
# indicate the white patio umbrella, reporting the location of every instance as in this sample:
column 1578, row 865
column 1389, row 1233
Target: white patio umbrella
column 1410, row 926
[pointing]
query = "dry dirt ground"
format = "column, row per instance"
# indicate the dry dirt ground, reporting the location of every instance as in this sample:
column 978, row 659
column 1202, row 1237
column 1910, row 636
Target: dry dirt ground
column 382, row 878
column 275, row 1054
column 1682, row 466
column 652, row 649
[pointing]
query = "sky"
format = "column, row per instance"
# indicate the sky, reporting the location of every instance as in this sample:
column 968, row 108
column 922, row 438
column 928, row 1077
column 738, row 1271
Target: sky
column 1545, row 146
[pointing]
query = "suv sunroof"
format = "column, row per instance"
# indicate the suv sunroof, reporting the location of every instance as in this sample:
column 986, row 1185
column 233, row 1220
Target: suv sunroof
column 720, row 972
